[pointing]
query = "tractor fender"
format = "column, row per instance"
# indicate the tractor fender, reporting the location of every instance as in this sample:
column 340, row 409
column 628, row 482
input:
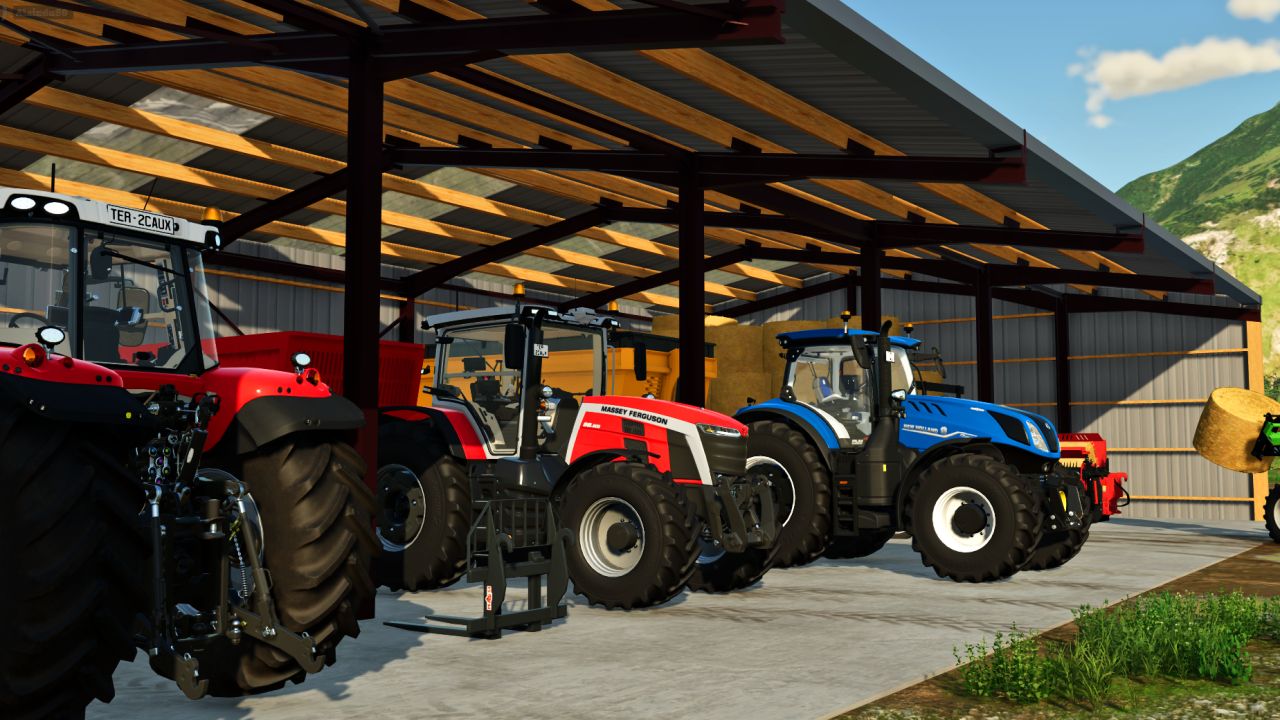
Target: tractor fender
column 267, row 419
column 911, row 473
column 453, row 425
column 800, row 418
column 594, row 458
column 70, row 401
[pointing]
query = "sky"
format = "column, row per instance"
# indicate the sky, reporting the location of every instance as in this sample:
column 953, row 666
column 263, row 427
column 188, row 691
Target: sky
column 1120, row 88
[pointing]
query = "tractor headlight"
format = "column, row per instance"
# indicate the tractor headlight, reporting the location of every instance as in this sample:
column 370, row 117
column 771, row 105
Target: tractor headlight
column 719, row 431
column 1037, row 438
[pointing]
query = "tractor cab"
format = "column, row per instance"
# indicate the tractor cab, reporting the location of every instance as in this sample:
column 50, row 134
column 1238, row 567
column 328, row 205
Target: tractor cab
column 832, row 372
column 125, row 287
column 522, row 375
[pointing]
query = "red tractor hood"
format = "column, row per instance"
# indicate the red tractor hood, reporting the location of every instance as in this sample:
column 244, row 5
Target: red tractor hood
column 661, row 412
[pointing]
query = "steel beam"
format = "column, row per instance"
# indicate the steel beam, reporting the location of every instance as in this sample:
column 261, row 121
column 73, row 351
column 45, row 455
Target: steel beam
column 1024, row 275
column 326, row 51
column 283, row 206
column 666, row 277
column 26, row 82
column 852, row 283
column 984, row 332
column 424, row 280
column 1062, row 364
column 894, row 234
column 870, row 273
column 719, row 168
column 364, row 258
column 693, row 331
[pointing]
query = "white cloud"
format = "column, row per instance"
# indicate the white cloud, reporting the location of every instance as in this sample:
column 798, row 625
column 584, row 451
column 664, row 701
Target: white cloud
column 1120, row 74
column 1264, row 10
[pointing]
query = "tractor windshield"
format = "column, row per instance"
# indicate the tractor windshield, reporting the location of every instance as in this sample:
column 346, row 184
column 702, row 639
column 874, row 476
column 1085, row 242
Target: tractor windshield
column 135, row 301
column 829, row 379
column 34, row 262
column 470, row 368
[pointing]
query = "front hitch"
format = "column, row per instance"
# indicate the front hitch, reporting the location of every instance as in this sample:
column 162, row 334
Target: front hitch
column 1063, row 502
column 739, row 512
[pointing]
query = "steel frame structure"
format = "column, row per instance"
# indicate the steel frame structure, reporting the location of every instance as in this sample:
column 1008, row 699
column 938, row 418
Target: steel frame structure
column 368, row 57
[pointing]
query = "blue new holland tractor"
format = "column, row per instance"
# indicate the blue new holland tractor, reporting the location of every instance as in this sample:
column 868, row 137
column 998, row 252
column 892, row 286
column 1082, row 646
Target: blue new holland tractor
column 858, row 454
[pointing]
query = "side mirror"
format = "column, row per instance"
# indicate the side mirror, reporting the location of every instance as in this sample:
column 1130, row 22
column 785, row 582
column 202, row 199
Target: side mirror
column 641, row 361
column 513, row 346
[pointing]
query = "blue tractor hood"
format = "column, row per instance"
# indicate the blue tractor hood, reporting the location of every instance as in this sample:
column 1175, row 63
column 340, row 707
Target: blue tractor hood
column 934, row 419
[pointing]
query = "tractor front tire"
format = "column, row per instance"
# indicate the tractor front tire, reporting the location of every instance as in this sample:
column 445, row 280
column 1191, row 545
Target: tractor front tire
column 73, row 567
column 972, row 519
column 806, row 516
column 731, row 571
column 318, row 539
column 1058, row 547
column 857, row 546
column 1271, row 513
column 423, row 511
column 634, row 541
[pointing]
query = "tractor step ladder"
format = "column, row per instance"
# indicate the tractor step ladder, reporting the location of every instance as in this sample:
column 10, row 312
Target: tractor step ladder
column 511, row 537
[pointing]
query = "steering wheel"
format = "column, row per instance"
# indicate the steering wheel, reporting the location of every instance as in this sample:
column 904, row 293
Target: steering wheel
column 13, row 321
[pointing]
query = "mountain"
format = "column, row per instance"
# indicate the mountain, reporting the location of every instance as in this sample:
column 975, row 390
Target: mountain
column 1224, row 201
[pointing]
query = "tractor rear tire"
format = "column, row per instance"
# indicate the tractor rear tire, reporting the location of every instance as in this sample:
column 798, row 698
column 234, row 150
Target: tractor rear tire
column 1058, row 547
column 73, row 567
column 1271, row 513
column 857, row 546
column 424, row 511
column 318, row 537
column 807, row 520
column 972, row 519
column 618, row 508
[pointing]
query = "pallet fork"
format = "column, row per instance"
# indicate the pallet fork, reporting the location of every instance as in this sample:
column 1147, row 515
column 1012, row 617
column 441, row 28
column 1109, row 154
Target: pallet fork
column 511, row 537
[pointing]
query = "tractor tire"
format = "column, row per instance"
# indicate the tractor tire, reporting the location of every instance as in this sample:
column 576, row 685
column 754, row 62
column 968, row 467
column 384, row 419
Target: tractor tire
column 73, row 568
column 318, row 537
column 857, row 546
column 972, row 519
column 634, row 542
column 1058, row 547
column 806, row 517
column 726, row 571
column 423, row 511
column 1271, row 512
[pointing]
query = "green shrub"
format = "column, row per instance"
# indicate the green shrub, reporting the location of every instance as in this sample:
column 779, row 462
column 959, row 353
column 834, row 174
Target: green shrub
column 1164, row 635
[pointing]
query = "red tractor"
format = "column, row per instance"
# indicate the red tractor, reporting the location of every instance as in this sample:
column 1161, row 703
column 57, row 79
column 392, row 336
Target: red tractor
column 655, row 494
column 215, row 518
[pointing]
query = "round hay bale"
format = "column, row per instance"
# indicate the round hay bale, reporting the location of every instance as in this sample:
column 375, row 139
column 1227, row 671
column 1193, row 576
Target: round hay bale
column 772, row 352
column 738, row 347
column 1229, row 426
column 669, row 325
column 730, row 391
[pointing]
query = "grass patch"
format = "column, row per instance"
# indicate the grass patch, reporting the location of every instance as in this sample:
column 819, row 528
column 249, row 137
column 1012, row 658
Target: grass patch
column 1163, row 636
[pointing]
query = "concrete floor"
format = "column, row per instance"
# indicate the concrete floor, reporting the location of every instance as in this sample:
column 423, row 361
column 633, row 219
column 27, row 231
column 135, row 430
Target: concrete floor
column 807, row 643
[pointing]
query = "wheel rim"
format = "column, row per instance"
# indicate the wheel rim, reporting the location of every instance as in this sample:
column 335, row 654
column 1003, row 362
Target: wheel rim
column 612, row 537
column 953, row 516
column 402, row 507
column 783, row 485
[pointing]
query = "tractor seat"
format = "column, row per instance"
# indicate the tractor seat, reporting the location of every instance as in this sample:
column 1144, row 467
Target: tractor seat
column 101, row 336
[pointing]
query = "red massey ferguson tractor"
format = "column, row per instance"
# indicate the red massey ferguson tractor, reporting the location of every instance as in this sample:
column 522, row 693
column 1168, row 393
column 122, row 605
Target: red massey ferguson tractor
column 655, row 494
column 214, row 518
